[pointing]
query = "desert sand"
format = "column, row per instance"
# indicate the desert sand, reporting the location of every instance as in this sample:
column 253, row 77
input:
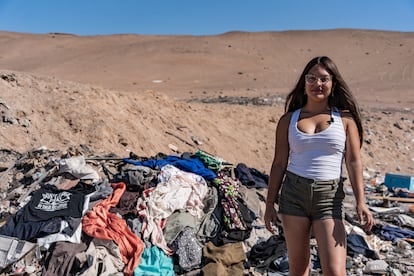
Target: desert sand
column 223, row 94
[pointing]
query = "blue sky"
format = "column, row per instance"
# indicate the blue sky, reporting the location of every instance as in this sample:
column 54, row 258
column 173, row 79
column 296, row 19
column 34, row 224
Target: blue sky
column 208, row 17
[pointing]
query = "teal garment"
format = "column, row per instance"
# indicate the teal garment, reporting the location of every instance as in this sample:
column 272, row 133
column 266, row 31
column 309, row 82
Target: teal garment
column 155, row 262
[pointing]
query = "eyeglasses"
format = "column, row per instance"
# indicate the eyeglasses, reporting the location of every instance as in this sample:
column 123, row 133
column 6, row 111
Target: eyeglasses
column 311, row 79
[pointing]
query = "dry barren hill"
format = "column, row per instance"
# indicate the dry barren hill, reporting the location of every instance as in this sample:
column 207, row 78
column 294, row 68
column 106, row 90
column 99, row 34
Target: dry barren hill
column 223, row 94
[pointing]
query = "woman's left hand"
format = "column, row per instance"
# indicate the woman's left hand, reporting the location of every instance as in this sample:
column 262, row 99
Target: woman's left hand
column 365, row 217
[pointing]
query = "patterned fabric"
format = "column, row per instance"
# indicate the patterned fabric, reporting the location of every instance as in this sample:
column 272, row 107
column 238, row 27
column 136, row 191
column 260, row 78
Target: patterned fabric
column 188, row 250
column 229, row 192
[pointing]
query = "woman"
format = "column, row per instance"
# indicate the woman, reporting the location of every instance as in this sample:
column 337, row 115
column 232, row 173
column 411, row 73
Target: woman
column 320, row 129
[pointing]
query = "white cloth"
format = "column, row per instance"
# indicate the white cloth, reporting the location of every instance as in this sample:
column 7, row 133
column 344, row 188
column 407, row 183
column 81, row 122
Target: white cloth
column 77, row 167
column 176, row 190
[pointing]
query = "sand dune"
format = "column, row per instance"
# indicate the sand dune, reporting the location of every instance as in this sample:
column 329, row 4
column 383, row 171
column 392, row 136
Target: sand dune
column 147, row 94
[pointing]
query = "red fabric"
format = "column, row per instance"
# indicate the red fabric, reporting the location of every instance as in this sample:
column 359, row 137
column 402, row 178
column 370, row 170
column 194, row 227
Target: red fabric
column 100, row 223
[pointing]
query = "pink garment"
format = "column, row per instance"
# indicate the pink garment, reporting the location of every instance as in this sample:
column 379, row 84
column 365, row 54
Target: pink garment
column 100, row 223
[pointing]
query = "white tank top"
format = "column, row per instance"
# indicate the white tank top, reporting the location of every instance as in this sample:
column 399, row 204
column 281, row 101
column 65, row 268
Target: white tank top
column 317, row 156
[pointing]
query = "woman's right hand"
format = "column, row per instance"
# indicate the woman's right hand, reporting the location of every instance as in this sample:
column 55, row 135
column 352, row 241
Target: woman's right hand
column 270, row 218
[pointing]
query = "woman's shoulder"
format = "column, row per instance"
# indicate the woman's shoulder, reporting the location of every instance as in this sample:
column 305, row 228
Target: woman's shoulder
column 347, row 118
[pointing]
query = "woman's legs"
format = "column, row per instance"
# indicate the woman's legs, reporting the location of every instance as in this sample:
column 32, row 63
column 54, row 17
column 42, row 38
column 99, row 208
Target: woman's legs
column 331, row 238
column 297, row 233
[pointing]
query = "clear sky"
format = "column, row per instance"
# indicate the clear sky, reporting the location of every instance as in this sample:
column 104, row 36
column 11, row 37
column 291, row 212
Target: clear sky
column 201, row 17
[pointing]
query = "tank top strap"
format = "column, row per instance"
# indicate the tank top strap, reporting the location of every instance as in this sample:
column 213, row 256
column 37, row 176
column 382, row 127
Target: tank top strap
column 295, row 117
column 336, row 112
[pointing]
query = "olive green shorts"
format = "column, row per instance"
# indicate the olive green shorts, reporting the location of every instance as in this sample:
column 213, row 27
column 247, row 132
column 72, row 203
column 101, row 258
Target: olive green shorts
column 313, row 199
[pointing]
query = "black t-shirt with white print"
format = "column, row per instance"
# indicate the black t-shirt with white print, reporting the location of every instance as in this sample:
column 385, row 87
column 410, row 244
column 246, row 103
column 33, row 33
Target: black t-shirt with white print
column 48, row 202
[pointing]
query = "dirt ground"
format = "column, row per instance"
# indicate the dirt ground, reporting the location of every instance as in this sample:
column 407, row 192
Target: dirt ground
column 223, row 94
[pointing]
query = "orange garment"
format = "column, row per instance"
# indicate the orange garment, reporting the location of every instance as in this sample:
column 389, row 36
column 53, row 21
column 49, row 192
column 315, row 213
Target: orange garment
column 100, row 223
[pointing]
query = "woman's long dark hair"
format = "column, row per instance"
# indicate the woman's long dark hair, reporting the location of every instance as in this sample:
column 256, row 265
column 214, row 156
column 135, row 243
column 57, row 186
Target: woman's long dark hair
column 341, row 96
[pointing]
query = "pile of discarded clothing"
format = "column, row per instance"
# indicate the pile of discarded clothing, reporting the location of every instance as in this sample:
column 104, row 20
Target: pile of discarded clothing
column 75, row 213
